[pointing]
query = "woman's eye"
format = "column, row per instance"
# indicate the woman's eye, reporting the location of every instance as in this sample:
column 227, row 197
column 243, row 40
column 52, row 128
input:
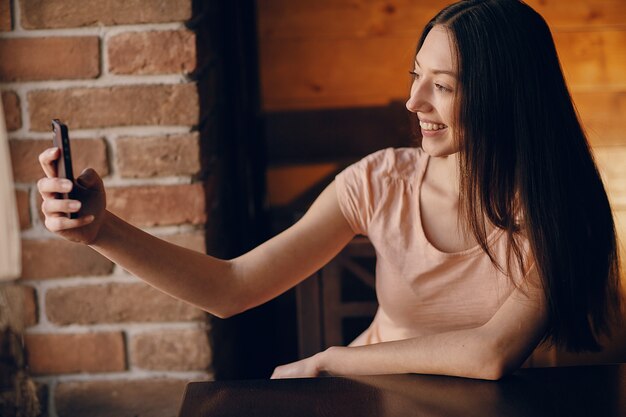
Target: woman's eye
column 414, row 74
column 442, row 88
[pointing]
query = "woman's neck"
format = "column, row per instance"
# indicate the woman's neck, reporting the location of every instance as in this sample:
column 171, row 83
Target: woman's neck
column 443, row 174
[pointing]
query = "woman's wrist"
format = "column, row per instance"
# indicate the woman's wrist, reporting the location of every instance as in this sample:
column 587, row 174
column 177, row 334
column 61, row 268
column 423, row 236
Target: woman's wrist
column 104, row 228
column 328, row 359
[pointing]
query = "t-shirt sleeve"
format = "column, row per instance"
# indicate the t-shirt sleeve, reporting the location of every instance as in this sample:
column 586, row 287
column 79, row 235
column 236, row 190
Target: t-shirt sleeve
column 358, row 190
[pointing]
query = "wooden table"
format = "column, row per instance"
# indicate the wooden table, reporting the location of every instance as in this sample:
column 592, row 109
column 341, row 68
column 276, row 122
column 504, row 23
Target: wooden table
column 593, row 391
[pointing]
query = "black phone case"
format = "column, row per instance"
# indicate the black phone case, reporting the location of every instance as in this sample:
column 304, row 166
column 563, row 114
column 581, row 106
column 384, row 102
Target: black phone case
column 61, row 139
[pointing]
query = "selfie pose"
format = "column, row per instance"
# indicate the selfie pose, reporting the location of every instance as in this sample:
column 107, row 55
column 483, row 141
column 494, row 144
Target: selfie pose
column 493, row 235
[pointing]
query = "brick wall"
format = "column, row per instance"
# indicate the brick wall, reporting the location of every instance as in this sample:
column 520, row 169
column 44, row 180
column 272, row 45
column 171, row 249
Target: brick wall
column 100, row 340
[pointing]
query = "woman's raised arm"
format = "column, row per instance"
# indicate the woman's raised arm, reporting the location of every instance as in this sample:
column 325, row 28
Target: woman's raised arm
column 221, row 287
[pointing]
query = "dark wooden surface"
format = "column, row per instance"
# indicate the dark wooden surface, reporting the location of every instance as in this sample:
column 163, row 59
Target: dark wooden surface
column 596, row 391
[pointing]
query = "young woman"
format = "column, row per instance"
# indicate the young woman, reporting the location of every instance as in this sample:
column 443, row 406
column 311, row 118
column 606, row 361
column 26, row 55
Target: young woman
column 492, row 236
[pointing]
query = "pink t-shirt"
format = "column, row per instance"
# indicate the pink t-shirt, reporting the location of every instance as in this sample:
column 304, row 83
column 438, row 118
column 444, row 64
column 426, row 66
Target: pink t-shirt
column 421, row 290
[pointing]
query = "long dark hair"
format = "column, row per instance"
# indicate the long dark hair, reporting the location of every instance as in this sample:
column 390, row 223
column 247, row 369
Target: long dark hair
column 526, row 165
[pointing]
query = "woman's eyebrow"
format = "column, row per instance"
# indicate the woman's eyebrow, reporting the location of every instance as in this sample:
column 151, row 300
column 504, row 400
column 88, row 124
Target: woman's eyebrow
column 439, row 71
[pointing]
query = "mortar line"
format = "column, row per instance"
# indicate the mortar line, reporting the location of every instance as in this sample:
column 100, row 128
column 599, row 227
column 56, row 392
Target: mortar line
column 97, row 30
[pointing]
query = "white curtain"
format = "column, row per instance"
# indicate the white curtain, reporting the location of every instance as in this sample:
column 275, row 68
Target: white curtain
column 10, row 244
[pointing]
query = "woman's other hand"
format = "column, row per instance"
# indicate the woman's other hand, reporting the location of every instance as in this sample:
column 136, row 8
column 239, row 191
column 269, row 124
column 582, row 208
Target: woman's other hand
column 89, row 201
column 306, row 368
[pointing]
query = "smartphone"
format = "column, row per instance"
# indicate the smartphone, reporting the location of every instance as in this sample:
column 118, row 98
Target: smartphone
column 61, row 140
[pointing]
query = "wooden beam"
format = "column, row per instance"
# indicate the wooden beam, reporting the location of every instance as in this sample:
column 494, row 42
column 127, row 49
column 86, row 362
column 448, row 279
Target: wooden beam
column 335, row 134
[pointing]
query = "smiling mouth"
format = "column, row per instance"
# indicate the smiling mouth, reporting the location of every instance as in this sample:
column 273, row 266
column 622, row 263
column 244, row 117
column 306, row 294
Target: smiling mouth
column 431, row 126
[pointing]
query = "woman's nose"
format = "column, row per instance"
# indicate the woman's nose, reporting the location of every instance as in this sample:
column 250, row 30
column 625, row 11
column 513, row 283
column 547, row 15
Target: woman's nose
column 417, row 100
column 410, row 104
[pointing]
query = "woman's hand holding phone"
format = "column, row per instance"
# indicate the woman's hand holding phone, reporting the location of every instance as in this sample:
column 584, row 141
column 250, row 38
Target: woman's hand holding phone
column 89, row 201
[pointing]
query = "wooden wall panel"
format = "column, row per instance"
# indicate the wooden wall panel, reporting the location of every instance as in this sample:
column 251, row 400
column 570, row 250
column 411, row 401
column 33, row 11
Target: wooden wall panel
column 373, row 18
column 322, row 73
column 325, row 73
column 611, row 162
column 603, row 114
column 288, row 19
column 576, row 14
column 329, row 54
column 332, row 54
column 593, row 59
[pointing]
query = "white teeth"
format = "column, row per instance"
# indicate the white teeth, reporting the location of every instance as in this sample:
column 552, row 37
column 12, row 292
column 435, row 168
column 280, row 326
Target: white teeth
column 431, row 126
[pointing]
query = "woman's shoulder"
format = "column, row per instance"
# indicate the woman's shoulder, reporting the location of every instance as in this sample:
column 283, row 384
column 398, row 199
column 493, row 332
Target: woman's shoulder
column 365, row 186
column 394, row 162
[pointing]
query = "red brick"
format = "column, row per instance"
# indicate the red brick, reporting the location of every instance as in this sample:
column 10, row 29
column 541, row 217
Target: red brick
column 56, row 258
column 51, row 58
column 6, row 21
column 71, row 353
column 115, row 303
column 20, row 310
column 175, row 104
column 23, row 208
column 138, row 398
column 142, row 157
column 41, row 14
column 194, row 240
column 158, row 205
column 85, row 153
column 157, row 52
column 12, row 112
column 171, row 350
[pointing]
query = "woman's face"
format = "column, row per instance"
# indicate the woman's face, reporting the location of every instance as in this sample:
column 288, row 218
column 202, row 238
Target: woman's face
column 433, row 93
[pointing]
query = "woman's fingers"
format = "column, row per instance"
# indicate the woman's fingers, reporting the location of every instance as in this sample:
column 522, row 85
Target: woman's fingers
column 53, row 206
column 59, row 223
column 50, row 187
column 56, row 210
column 54, row 185
column 47, row 161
